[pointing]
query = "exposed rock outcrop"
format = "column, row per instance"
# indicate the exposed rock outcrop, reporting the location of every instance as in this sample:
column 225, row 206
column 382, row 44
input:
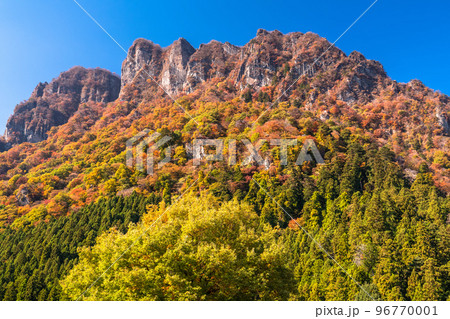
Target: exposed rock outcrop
column 23, row 197
column 443, row 121
column 180, row 68
column 52, row 104
column 214, row 59
column 144, row 57
column 176, row 57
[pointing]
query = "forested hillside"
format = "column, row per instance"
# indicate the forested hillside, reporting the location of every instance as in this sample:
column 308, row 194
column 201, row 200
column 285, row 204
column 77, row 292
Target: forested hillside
column 372, row 222
column 35, row 258
column 390, row 237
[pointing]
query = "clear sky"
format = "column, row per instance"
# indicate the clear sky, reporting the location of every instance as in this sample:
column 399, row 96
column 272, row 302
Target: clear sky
column 40, row 39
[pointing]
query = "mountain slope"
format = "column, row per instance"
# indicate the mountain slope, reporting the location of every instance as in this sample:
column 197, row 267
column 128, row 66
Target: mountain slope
column 380, row 203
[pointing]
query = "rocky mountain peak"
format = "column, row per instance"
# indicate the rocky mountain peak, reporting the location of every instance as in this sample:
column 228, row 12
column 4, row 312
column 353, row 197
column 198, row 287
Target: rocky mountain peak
column 262, row 33
column 181, row 49
column 142, row 53
column 52, row 104
column 180, row 68
column 356, row 56
column 176, row 57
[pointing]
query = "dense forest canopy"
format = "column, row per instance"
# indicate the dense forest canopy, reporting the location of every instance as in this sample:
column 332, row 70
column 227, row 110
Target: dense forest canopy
column 389, row 235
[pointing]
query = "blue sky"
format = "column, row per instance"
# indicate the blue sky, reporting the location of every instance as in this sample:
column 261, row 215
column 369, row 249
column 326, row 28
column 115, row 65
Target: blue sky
column 40, row 39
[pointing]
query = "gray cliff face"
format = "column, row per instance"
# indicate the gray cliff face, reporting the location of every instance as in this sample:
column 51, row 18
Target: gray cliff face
column 52, row 104
column 211, row 60
column 174, row 71
column 143, row 60
column 180, row 68
column 177, row 68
